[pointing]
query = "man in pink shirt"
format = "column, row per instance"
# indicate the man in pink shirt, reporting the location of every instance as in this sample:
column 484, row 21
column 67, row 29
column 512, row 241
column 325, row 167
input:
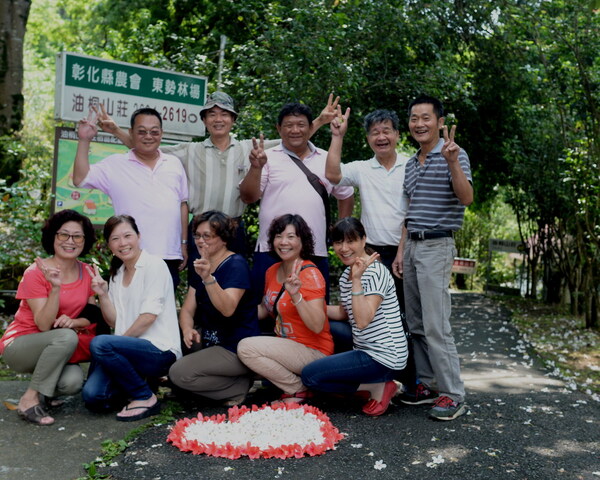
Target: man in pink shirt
column 283, row 187
column 144, row 183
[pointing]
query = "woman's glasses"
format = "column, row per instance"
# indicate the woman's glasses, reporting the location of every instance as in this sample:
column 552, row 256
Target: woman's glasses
column 204, row 236
column 78, row 238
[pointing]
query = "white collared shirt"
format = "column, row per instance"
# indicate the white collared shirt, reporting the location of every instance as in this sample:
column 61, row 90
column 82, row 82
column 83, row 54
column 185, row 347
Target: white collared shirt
column 150, row 291
column 380, row 196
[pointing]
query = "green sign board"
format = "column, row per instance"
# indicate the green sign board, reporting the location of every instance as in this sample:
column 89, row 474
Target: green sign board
column 83, row 81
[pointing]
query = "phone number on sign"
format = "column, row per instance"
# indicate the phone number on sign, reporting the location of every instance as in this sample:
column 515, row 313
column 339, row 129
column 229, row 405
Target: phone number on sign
column 172, row 114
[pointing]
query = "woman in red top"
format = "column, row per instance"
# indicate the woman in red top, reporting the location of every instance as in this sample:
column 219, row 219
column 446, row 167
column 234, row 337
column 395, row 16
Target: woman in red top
column 43, row 336
column 295, row 297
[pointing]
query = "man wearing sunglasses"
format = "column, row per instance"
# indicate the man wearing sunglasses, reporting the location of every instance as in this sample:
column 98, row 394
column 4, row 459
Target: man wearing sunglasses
column 144, row 183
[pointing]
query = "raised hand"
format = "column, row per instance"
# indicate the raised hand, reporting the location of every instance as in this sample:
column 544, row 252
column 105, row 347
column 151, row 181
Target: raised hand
column 450, row 150
column 293, row 282
column 87, row 128
column 339, row 125
column 51, row 274
column 202, row 265
column 105, row 120
column 361, row 264
column 99, row 285
column 258, row 157
column 330, row 111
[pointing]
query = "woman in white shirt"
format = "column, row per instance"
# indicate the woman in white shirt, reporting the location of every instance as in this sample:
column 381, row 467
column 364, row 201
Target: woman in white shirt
column 139, row 304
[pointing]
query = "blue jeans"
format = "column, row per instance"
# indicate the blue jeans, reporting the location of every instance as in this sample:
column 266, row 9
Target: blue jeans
column 119, row 367
column 341, row 331
column 344, row 372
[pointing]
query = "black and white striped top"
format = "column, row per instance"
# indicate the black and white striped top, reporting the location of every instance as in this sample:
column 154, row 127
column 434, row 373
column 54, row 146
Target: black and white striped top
column 383, row 339
column 433, row 204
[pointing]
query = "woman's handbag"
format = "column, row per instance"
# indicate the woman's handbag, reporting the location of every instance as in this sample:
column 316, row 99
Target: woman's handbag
column 82, row 351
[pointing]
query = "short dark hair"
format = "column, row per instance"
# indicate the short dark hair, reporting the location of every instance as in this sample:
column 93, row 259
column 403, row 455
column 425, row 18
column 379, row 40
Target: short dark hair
column 109, row 226
column 438, row 108
column 145, row 111
column 53, row 224
column 303, row 231
column 223, row 225
column 297, row 109
column 349, row 229
column 379, row 116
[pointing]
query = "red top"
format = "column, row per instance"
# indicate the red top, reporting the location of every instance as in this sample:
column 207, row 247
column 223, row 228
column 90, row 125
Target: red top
column 290, row 325
column 73, row 297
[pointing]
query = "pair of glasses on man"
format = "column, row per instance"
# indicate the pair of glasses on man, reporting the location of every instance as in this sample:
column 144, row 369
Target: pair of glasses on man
column 78, row 238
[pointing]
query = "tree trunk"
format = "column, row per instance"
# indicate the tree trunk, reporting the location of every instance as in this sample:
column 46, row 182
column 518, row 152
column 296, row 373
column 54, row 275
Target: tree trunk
column 13, row 19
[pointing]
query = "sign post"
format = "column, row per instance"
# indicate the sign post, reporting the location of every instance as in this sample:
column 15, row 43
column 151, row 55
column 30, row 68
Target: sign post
column 83, row 81
column 507, row 246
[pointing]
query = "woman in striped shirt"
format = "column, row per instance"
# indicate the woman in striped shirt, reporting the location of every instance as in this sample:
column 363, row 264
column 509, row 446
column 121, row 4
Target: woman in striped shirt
column 370, row 304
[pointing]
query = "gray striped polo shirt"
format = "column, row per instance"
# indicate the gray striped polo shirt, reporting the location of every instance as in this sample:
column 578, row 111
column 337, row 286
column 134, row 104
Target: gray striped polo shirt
column 433, row 204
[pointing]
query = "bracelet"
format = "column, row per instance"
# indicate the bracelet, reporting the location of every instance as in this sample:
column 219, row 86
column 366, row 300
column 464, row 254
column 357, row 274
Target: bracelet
column 297, row 301
column 210, row 282
column 184, row 242
column 356, row 294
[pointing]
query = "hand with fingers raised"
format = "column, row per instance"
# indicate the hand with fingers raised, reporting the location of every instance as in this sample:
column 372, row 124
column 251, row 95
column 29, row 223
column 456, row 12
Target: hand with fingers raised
column 331, row 110
column 87, row 128
column 51, row 274
column 99, row 285
column 360, row 266
column 258, row 157
column 450, row 149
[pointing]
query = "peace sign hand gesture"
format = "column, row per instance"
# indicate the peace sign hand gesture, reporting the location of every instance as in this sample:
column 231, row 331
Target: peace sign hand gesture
column 87, row 128
column 339, row 125
column 450, row 150
column 331, row 110
column 105, row 120
column 99, row 285
column 292, row 282
column 51, row 274
column 258, row 157
column 360, row 266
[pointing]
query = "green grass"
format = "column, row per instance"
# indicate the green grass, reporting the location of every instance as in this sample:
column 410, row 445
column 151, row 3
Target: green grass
column 112, row 448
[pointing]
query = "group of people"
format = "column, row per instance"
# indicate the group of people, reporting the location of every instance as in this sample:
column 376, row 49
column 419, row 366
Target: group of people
column 410, row 210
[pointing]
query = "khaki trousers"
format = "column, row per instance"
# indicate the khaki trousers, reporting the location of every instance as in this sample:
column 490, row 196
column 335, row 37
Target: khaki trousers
column 45, row 356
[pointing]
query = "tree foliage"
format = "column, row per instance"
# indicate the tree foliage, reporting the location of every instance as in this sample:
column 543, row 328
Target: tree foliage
column 519, row 77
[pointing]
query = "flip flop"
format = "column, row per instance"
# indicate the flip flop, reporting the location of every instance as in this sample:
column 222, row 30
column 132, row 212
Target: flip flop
column 34, row 415
column 145, row 413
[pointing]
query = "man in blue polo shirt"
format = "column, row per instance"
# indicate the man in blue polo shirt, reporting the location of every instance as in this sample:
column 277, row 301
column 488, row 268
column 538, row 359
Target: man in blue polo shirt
column 437, row 188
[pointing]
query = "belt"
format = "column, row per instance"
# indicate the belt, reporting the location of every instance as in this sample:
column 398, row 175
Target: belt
column 429, row 234
column 384, row 248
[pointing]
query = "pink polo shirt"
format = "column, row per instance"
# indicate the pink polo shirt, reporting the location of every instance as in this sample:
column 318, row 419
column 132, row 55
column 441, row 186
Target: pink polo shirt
column 152, row 196
column 285, row 189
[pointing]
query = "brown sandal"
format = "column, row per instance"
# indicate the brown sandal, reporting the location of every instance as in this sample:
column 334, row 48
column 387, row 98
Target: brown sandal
column 34, row 415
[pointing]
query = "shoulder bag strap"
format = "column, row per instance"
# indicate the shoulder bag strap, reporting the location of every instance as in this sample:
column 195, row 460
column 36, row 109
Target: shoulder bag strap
column 316, row 183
